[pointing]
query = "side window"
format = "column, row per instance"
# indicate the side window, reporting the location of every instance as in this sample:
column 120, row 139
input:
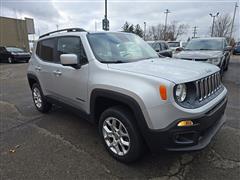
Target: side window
column 225, row 43
column 156, row 47
column 38, row 49
column 164, row 46
column 45, row 49
column 71, row 45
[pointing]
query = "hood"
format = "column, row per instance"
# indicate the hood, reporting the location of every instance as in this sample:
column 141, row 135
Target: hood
column 174, row 70
column 200, row 54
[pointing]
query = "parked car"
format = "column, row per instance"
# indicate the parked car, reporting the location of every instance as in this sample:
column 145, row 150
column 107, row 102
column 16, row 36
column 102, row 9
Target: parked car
column 214, row 50
column 13, row 54
column 117, row 81
column 236, row 49
column 161, row 47
column 174, row 45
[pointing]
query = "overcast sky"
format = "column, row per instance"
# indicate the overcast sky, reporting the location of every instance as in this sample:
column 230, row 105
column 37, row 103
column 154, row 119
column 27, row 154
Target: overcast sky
column 48, row 14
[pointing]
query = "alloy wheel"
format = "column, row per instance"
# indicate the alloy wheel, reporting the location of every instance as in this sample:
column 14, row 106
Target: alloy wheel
column 116, row 136
column 10, row 60
column 37, row 97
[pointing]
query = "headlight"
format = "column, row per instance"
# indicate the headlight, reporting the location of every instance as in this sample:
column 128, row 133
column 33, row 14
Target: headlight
column 215, row 61
column 181, row 92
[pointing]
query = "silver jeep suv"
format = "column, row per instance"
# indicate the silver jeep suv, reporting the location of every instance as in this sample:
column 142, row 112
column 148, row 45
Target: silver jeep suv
column 137, row 99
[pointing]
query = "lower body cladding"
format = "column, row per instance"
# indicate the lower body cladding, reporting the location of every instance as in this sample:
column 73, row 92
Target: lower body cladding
column 187, row 138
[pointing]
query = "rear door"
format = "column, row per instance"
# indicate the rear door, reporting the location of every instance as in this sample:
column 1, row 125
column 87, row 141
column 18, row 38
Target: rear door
column 45, row 64
column 70, row 84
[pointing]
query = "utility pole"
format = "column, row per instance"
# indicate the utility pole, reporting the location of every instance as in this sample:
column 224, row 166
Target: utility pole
column 234, row 14
column 213, row 16
column 145, row 24
column 105, row 21
column 194, row 31
column 165, row 27
column 95, row 26
column 57, row 26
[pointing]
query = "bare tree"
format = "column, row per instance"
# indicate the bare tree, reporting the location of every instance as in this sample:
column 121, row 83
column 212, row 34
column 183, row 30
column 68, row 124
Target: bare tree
column 173, row 31
column 222, row 26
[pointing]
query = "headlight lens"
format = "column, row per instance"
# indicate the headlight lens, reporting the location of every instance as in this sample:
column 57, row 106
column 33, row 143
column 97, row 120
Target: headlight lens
column 215, row 61
column 181, row 92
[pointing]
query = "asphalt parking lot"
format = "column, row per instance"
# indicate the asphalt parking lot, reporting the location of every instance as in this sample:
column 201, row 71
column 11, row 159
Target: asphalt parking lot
column 60, row 145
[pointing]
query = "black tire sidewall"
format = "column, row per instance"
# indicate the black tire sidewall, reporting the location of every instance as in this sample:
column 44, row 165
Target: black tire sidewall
column 136, row 145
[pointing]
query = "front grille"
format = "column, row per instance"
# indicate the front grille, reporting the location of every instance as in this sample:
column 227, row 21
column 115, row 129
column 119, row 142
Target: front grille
column 194, row 59
column 201, row 59
column 207, row 86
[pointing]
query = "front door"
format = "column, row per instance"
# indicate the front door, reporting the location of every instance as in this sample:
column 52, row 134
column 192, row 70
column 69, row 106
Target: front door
column 70, row 84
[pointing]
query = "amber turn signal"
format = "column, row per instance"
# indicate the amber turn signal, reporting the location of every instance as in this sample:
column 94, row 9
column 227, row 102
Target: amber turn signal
column 163, row 92
column 185, row 123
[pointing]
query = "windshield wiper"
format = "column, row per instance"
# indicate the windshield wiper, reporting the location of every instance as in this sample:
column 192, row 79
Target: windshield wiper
column 204, row 49
column 114, row 62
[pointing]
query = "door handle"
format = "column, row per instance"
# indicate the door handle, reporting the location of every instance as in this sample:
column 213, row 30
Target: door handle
column 57, row 73
column 38, row 68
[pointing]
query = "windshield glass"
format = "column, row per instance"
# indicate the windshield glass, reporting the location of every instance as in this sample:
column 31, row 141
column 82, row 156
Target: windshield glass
column 119, row 47
column 205, row 44
column 14, row 49
column 174, row 44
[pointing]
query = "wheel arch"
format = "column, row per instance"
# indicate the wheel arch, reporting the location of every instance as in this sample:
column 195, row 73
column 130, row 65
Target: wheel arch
column 32, row 79
column 102, row 99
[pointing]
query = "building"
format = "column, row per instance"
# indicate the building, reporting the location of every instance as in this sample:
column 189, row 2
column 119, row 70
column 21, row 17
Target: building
column 14, row 32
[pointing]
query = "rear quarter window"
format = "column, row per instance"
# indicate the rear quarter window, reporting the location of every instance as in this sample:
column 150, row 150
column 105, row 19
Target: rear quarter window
column 46, row 49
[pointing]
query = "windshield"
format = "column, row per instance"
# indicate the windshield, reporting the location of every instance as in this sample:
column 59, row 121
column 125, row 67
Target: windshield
column 13, row 49
column 119, row 47
column 205, row 44
column 174, row 44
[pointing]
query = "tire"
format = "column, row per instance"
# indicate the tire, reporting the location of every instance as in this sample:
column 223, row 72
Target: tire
column 10, row 60
column 226, row 66
column 125, row 131
column 40, row 100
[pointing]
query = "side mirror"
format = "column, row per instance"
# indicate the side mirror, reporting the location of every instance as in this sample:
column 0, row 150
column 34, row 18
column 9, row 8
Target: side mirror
column 69, row 60
column 228, row 48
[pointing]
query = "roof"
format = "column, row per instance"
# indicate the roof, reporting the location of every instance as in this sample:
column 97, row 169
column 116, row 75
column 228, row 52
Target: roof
column 72, row 31
column 210, row 38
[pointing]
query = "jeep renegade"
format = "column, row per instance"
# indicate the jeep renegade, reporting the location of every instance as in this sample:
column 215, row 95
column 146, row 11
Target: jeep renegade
column 137, row 99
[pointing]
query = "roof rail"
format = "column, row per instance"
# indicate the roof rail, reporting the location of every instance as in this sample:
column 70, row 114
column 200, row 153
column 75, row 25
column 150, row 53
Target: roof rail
column 67, row 30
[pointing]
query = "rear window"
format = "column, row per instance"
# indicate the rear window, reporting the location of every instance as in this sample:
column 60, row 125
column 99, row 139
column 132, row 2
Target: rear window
column 174, row 44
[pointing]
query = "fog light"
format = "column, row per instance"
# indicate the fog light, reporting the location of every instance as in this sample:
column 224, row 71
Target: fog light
column 185, row 123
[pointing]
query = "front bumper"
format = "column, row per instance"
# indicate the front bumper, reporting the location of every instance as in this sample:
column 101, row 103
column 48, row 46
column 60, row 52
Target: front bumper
column 194, row 137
